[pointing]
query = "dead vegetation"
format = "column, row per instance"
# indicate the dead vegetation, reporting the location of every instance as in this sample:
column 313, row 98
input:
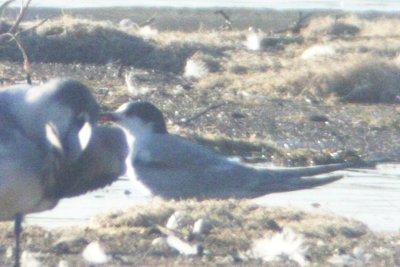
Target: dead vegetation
column 351, row 67
column 234, row 232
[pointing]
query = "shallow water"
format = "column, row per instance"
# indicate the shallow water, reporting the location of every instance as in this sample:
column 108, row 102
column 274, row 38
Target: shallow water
column 370, row 196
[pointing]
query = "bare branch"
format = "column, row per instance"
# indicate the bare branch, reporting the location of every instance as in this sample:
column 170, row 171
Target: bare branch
column 27, row 66
column 227, row 19
column 4, row 6
column 147, row 22
column 20, row 17
column 201, row 113
column 296, row 25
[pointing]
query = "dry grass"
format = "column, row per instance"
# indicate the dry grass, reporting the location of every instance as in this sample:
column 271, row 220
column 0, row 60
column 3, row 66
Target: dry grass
column 352, row 79
column 235, row 225
column 327, row 25
column 233, row 228
column 360, row 69
column 67, row 40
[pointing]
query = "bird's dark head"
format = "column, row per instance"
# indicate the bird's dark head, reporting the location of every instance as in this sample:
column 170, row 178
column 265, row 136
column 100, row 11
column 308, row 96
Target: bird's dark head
column 138, row 118
column 77, row 97
column 75, row 112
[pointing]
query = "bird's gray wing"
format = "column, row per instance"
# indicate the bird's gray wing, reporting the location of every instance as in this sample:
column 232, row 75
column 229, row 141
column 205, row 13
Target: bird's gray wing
column 100, row 164
column 173, row 167
column 26, row 169
column 270, row 183
column 170, row 151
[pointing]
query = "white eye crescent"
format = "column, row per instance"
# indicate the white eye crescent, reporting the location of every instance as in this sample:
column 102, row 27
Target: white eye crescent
column 53, row 137
column 84, row 135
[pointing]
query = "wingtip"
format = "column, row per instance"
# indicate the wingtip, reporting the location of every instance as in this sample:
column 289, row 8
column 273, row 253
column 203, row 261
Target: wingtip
column 318, row 181
column 300, row 183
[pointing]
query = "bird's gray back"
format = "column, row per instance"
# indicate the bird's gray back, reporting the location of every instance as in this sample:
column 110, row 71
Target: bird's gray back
column 173, row 167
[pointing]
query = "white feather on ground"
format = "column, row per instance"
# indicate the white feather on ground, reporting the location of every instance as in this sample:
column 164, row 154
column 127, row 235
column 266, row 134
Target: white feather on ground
column 195, row 69
column 284, row 244
column 127, row 24
column 318, row 51
column 253, row 39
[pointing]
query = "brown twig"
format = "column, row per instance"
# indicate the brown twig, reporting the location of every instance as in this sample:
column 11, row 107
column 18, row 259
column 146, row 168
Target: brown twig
column 147, row 22
column 297, row 25
column 21, row 15
column 227, row 19
column 121, row 69
column 201, row 113
column 15, row 26
column 27, row 65
column 104, row 96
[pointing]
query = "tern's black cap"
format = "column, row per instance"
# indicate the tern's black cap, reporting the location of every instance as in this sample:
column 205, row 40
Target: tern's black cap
column 149, row 114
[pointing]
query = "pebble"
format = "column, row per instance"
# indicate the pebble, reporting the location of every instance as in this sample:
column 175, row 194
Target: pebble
column 94, row 253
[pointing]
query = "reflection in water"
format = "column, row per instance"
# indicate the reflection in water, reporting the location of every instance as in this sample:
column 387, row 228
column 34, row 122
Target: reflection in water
column 370, row 196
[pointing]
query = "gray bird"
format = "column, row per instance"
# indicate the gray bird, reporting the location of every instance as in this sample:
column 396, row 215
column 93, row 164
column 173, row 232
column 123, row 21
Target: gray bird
column 44, row 129
column 175, row 168
column 99, row 165
column 66, row 104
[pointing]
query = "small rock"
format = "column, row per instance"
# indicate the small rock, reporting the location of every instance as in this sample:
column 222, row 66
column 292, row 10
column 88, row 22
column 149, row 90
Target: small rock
column 198, row 227
column 102, row 91
column 225, row 260
column 184, row 248
column 69, row 244
column 201, row 226
column 29, row 259
column 318, row 118
column 94, row 253
column 63, row 263
column 160, row 242
column 238, row 115
column 342, row 260
column 316, row 205
column 353, row 232
column 361, row 255
column 175, row 220
column 273, row 225
column 9, row 252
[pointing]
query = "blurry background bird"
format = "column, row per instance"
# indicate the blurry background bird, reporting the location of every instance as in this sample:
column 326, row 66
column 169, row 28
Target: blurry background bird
column 138, row 83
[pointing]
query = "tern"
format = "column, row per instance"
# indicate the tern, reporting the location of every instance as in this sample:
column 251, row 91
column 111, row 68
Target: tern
column 175, row 168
